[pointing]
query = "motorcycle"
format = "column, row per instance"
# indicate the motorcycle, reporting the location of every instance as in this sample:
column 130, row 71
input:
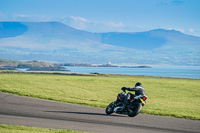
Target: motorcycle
column 126, row 104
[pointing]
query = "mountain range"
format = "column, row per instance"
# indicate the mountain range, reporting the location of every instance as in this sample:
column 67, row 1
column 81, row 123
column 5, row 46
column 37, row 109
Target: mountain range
column 57, row 42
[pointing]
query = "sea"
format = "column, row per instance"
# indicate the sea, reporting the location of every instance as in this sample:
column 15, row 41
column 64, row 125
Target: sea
column 161, row 71
column 192, row 72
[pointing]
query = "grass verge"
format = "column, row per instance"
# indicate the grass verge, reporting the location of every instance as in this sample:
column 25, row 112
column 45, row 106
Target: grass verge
column 23, row 129
column 166, row 96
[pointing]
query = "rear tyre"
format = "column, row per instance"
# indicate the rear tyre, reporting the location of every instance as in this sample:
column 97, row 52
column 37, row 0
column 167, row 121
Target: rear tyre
column 109, row 109
column 135, row 111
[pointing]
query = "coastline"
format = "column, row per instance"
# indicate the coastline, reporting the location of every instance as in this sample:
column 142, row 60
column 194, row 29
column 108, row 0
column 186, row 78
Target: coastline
column 89, row 74
column 146, row 70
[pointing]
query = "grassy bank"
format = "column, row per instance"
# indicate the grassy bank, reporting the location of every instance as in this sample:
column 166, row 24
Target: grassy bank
column 166, row 96
column 22, row 129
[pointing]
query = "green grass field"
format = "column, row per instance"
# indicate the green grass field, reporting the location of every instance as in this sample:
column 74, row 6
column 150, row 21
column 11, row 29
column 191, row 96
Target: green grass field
column 22, row 129
column 166, row 96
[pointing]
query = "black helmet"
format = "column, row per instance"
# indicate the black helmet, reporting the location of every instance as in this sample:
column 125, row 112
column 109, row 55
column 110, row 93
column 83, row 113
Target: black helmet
column 138, row 84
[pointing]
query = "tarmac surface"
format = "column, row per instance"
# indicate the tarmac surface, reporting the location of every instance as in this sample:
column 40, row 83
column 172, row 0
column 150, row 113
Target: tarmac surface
column 19, row 110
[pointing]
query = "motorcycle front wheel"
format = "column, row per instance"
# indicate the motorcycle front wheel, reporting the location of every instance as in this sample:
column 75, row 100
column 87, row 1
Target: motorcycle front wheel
column 135, row 111
column 109, row 109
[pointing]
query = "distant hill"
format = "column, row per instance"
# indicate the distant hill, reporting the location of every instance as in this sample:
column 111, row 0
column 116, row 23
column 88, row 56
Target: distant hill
column 57, row 42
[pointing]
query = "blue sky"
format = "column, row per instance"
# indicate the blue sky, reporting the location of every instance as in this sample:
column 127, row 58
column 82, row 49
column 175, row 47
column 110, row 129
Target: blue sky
column 108, row 15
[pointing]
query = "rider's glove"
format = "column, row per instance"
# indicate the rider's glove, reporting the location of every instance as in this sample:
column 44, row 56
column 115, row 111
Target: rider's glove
column 123, row 88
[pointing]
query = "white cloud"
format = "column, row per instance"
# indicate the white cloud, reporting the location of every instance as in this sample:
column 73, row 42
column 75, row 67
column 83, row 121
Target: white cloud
column 181, row 30
column 186, row 31
column 88, row 25
column 78, row 19
column 21, row 15
column 191, row 30
column 112, row 24
column 177, row 29
column 77, row 22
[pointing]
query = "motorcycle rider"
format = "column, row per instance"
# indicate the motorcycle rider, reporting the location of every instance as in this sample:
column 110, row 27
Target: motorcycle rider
column 139, row 90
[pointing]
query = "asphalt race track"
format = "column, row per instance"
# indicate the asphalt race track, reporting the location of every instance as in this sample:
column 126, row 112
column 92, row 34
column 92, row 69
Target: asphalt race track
column 18, row 110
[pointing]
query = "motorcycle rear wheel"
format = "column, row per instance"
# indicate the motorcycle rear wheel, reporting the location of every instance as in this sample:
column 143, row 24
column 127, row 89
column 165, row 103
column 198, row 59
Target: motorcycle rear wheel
column 109, row 109
column 135, row 111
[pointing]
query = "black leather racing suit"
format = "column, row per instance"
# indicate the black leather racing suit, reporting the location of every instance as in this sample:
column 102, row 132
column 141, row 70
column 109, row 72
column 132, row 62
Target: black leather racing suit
column 138, row 91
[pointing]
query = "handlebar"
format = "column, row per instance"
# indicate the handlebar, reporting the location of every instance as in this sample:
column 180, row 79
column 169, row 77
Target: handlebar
column 123, row 89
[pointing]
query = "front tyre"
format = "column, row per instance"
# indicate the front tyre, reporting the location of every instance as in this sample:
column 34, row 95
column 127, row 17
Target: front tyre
column 109, row 109
column 135, row 111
